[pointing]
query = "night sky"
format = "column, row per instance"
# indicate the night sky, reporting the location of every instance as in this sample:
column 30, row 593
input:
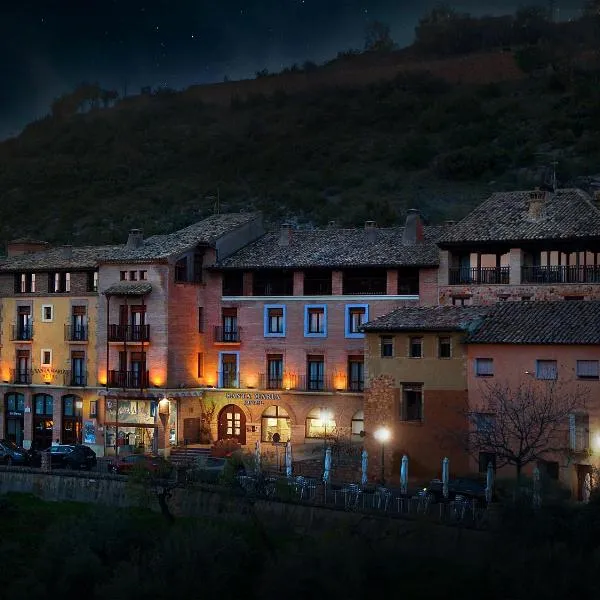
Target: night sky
column 48, row 46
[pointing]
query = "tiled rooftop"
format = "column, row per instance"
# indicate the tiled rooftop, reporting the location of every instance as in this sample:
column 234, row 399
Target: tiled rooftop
column 129, row 288
column 561, row 322
column 337, row 248
column 565, row 214
column 83, row 257
column 429, row 318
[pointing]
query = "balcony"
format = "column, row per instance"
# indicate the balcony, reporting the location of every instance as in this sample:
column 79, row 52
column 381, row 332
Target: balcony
column 554, row 274
column 479, row 276
column 128, row 379
column 129, row 333
column 228, row 379
column 71, row 379
column 21, row 333
column 76, row 333
column 228, row 336
column 270, row 382
column 21, row 376
column 356, row 385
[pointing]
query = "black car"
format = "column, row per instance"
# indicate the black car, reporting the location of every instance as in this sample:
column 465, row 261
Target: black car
column 462, row 486
column 72, row 457
column 11, row 454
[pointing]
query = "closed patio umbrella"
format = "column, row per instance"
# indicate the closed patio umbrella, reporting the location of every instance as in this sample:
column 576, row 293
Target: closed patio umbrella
column 364, row 464
column 587, row 488
column 288, row 459
column 445, row 476
column 489, row 483
column 404, row 476
column 537, row 498
column 327, row 469
column 257, row 456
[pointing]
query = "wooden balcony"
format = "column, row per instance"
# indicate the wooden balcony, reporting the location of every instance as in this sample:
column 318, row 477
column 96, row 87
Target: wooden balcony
column 128, row 379
column 130, row 334
column 479, row 276
column 554, row 274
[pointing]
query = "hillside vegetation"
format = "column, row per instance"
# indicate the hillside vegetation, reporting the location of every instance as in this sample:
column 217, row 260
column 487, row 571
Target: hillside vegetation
column 354, row 149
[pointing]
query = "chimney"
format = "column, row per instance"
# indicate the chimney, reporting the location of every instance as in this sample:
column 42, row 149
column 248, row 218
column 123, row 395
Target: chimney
column 135, row 238
column 413, row 228
column 68, row 252
column 285, row 234
column 536, row 203
column 331, row 225
column 371, row 229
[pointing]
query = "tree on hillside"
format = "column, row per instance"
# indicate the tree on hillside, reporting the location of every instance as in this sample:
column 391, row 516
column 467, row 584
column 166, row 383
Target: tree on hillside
column 524, row 423
column 378, row 37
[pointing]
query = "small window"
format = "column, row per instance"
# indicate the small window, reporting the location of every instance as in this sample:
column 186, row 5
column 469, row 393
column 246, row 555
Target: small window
column 47, row 313
column 93, row 408
column 546, row 369
column 387, row 346
column 143, row 275
column 445, row 347
column 123, row 275
column 25, row 283
column 461, row 301
column 484, row 367
column 60, row 282
column 274, row 324
column 200, row 319
column 92, row 281
column 415, row 349
column 315, row 321
column 356, row 316
column 46, row 358
column 132, row 275
column 200, row 364
column 587, row 369
column 411, row 407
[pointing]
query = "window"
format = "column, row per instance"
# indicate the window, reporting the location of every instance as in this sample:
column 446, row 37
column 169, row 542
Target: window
column 15, row 403
column 123, row 275
column 356, row 316
column 274, row 320
column 315, row 371
column 43, row 404
column 92, row 281
column 387, row 346
column 229, row 369
column 315, row 321
column 46, row 358
column 47, row 313
column 357, row 425
column 415, row 348
column 132, row 275
column 579, row 432
column 411, row 407
column 484, row 367
column 229, row 321
column 200, row 364
column 78, row 373
column 274, row 371
column 485, row 458
column 79, row 324
column 356, row 373
column 200, row 319
column 275, row 421
column 546, row 369
column 25, row 283
column 93, row 408
column 22, row 373
column 484, row 422
column 587, row 369
column 445, row 347
column 60, row 283
column 143, row 275
column 320, row 424
column 461, row 301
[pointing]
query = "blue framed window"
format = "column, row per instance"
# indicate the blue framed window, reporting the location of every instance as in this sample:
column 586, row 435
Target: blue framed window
column 355, row 315
column 274, row 320
column 315, row 320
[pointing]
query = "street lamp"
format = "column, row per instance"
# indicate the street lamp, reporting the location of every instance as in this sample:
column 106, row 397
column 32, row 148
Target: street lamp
column 382, row 435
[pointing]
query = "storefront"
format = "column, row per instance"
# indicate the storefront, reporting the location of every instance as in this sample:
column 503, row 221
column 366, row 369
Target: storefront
column 14, row 423
column 72, row 408
column 43, row 423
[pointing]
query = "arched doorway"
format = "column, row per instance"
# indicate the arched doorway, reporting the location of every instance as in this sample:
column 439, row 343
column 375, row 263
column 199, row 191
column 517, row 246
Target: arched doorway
column 14, row 409
column 232, row 424
column 275, row 419
column 42, row 421
column 71, row 419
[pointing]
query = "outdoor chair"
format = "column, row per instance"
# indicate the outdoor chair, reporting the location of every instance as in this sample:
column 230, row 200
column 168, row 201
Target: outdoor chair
column 382, row 498
column 351, row 495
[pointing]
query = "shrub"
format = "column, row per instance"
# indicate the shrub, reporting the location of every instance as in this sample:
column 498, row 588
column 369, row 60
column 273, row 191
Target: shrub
column 225, row 448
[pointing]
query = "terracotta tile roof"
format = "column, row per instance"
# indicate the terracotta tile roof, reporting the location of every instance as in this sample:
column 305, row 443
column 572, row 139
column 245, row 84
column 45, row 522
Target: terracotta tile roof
column 129, row 288
column 337, row 248
column 566, row 214
column 560, row 322
column 429, row 318
column 83, row 257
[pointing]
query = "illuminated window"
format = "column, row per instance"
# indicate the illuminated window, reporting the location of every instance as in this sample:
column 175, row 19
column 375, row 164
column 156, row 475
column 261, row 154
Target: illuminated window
column 275, row 420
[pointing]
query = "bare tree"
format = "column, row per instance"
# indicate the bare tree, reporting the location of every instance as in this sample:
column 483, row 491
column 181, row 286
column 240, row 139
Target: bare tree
column 523, row 423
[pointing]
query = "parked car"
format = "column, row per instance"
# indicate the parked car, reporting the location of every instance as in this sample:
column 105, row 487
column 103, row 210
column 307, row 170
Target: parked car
column 463, row 486
column 74, row 456
column 11, row 454
column 149, row 462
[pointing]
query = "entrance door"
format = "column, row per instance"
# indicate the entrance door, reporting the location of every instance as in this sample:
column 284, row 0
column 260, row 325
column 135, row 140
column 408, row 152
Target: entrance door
column 232, row 424
column 191, row 431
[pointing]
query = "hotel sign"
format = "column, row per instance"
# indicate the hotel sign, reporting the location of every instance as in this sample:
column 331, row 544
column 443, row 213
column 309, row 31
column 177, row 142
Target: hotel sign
column 252, row 398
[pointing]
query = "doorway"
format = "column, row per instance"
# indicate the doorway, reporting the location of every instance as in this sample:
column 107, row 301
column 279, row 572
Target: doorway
column 232, row 424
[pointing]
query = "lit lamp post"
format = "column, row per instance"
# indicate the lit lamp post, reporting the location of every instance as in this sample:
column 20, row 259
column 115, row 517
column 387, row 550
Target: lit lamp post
column 382, row 435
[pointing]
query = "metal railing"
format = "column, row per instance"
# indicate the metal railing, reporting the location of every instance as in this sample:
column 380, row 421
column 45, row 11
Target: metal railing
column 20, row 333
column 76, row 333
column 128, row 379
column 270, row 382
column 129, row 333
column 75, row 379
column 228, row 379
column 560, row 274
column 480, row 276
column 356, row 385
column 226, row 335
column 21, row 376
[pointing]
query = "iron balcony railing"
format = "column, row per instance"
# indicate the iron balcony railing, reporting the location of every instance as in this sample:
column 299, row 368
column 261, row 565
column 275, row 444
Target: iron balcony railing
column 479, row 276
column 128, row 379
column 76, row 333
column 73, row 379
column 270, row 382
column 129, row 333
column 20, row 333
column 560, row 274
column 356, row 384
column 228, row 379
column 21, row 376
column 226, row 335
